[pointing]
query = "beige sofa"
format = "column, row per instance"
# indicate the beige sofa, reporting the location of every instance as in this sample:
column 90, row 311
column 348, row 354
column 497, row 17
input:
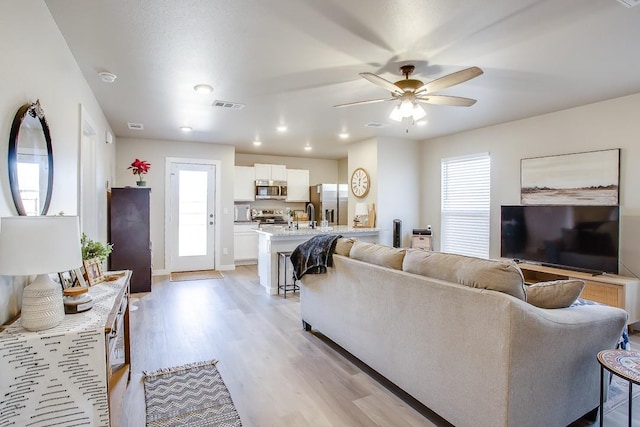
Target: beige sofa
column 475, row 356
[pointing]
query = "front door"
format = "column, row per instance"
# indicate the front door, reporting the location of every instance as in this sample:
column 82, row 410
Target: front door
column 191, row 221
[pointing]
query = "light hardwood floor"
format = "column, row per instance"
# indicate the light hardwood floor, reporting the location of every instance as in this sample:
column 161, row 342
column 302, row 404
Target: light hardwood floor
column 278, row 375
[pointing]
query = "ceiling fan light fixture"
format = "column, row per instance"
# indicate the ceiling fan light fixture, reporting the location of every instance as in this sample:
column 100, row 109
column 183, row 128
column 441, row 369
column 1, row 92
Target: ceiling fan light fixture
column 418, row 112
column 406, row 108
column 396, row 114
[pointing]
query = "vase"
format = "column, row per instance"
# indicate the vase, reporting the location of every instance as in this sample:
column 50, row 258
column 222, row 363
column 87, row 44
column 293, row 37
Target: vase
column 141, row 183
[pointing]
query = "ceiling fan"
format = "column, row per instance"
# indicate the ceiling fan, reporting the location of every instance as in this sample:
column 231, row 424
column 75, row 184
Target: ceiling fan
column 411, row 91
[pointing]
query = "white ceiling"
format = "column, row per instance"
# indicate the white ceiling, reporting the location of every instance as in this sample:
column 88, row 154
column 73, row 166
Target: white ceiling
column 290, row 61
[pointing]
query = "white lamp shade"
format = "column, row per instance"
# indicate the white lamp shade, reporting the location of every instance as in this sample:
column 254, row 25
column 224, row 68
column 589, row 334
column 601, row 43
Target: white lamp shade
column 418, row 112
column 39, row 245
column 361, row 209
column 396, row 114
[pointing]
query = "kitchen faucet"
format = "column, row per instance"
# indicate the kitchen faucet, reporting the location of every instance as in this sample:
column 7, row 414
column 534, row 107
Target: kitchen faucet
column 311, row 213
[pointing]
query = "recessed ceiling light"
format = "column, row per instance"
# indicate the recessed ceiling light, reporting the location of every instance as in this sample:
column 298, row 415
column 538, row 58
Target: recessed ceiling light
column 282, row 128
column 257, row 143
column 343, row 135
column 307, row 148
column 203, row 89
column 422, row 122
column 107, row 77
column 186, row 128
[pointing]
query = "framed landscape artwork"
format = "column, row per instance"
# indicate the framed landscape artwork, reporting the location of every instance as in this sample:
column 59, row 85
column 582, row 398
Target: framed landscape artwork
column 590, row 178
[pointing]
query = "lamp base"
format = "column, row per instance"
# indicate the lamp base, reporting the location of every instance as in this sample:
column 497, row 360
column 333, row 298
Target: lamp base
column 42, row 306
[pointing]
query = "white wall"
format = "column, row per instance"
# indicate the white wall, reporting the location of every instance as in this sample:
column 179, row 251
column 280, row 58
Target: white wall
column 363, row 155
column 155, row 152
column 603, row 125
column 320, row 170
column 37, row 64
column 398, row 187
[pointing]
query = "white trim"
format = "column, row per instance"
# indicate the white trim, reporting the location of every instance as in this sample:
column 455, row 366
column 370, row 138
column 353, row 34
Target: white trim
column 167, row 206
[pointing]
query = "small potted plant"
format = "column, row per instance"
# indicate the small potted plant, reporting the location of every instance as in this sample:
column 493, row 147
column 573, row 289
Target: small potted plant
column 140, row 167
column 92, row 249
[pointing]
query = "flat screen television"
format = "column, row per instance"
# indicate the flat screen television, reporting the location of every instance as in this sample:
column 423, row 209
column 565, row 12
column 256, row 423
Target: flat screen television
column 575, row 237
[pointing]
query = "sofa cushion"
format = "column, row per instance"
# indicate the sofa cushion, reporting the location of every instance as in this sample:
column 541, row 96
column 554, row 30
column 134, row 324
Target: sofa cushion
column 554, row 294
column 378, row 254
column 343, row 246
column 502, row 276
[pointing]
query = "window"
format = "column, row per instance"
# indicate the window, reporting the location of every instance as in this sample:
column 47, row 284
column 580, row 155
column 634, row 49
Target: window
column 465, row 205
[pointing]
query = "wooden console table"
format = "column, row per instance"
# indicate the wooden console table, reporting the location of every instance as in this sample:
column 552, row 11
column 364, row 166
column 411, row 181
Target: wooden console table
column 609, row 289
column 73, row 374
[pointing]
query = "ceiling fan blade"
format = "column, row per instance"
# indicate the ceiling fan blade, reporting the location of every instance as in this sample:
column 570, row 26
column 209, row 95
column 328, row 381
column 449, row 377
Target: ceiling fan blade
column 449, row 80
column 371, row 101
column 455, row 101
column 383, row 83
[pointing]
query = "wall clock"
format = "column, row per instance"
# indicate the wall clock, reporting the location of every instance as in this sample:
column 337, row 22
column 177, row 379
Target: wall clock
column 360, row 183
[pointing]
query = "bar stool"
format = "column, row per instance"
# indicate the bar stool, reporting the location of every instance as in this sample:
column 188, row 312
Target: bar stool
column 283, row 258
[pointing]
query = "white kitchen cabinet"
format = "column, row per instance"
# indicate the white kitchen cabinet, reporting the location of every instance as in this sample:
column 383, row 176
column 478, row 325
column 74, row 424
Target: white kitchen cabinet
column 245, row 243
column 268, row 172
column 245, row 184
column 297, row 185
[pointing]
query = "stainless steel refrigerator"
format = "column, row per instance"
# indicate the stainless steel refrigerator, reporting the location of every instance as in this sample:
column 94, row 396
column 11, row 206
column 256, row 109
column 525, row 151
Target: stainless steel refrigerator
column 330, row 203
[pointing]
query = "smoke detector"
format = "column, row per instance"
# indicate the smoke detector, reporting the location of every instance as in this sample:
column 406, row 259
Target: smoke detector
column 107, row 77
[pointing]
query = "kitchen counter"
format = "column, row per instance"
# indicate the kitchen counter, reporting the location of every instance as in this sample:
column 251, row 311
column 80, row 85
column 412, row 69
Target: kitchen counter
column 274, row 239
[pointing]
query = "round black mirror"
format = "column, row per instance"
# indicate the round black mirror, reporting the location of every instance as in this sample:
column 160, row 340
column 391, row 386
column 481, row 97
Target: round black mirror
column 30, row 161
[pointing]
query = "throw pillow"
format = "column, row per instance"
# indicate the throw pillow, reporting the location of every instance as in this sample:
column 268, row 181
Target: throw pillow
column 378, row 254
column 503, row 276
column 343, row 246
column 554, row 294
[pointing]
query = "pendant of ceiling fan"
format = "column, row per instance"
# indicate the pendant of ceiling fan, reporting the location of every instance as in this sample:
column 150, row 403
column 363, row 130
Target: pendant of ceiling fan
column 413, row 91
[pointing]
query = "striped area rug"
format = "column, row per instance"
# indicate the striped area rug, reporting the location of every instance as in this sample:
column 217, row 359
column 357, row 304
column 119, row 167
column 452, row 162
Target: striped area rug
column 191, row 395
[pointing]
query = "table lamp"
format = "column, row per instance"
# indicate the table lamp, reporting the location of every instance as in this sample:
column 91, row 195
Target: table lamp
column 361, row 214
column 39, row 245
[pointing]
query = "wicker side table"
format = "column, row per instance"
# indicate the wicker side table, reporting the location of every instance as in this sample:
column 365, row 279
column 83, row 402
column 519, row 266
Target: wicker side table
column 626, row 365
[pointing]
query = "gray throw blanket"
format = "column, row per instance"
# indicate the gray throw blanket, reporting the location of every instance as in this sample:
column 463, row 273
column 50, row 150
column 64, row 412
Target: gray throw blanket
column 314, row 255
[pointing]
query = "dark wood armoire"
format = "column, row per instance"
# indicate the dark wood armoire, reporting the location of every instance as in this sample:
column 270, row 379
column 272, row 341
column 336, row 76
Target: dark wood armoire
column 130, row 234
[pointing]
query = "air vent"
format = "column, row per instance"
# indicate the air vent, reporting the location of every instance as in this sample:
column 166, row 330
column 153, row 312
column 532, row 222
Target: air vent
column 629, row 3
column 376, row 125
column 135, row 126
column 227, row 104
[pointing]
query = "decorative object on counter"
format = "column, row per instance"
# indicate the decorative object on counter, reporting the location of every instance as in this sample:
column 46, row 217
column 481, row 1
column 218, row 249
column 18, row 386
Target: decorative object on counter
column 77, row 300
column 371, row 221
column 360, row 183
column 40, row 245
column 140, row 167
column 71, row 278
column 360, row 215
column 93, row 271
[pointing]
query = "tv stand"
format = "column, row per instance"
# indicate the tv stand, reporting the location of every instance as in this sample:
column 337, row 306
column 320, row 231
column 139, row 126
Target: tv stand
column 582, row 270
column 609, row 289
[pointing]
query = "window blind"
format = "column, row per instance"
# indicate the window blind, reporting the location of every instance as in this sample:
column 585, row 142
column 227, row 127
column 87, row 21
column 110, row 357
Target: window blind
column 466, row 185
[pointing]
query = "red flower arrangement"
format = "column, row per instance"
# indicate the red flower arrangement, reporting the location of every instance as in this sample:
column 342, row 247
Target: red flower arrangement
column 140, row 167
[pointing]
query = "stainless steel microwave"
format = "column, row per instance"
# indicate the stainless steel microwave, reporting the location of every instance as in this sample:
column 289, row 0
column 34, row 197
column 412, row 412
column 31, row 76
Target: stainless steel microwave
column 271, row 190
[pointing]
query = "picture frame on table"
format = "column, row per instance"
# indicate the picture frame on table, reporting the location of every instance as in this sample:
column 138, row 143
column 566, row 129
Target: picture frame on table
column 66, row 279
column 93, row 270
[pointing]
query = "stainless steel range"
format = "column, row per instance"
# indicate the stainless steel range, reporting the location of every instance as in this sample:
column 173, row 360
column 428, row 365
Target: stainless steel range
column 269, row 216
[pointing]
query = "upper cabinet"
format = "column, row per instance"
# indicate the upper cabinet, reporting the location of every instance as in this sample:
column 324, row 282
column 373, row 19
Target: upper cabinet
column 297, row 185
column 265, row 172
column 245, row 184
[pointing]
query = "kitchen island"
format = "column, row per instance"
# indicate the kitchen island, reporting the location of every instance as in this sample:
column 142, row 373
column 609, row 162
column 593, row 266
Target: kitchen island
column 272, row 240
